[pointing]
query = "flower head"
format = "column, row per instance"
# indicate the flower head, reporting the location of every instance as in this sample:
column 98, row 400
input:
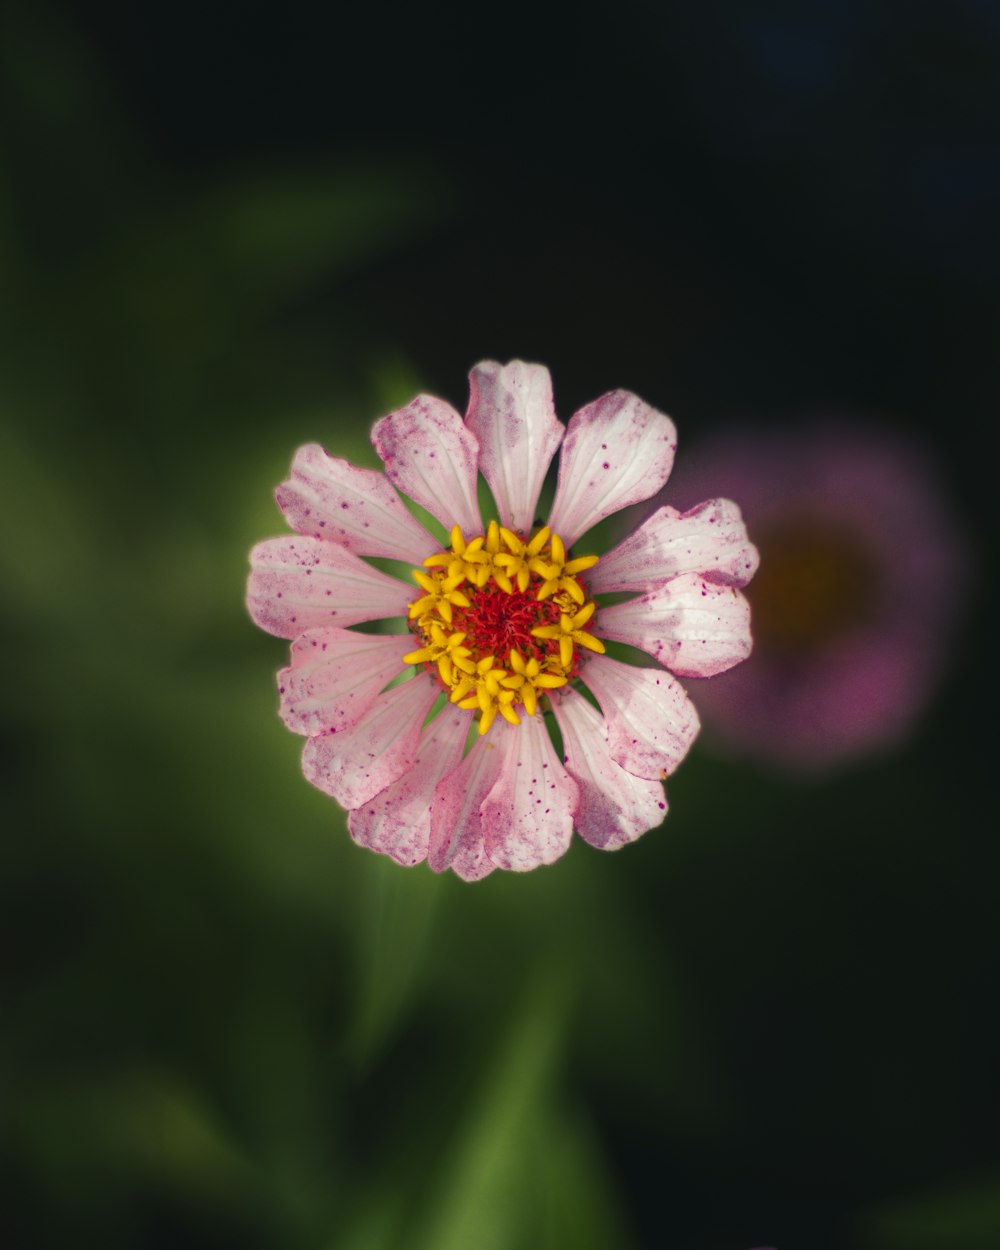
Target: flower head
column 862, row 577
column 501, row 628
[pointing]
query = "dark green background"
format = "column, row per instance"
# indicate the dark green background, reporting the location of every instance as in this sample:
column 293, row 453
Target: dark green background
column 227, row 231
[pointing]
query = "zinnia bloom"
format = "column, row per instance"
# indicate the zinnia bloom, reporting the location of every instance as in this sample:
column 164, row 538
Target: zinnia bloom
column 498, row 627
column 862, row 578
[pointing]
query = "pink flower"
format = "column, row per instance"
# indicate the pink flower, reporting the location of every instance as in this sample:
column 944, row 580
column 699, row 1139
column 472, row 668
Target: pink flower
column 862, row 577
column 500, row 626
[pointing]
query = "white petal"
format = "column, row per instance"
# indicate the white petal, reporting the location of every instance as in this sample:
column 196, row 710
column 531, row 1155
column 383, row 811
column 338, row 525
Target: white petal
column 397, row 821
column 431, row 456
column 336, row 675
column 615, row 807
column 512, row 415
column 297, row 583
column 693, row 627
column 456, row 823
column 329, row 498
column 651, row 721
column 617, row 451
column 528, row 815
column 356, row 764
column 710, row 539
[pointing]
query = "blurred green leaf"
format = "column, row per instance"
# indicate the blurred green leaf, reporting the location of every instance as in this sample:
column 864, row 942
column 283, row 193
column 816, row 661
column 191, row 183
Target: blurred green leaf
column 480, row 1197
column 142, row 1122
column 962, row 1215
column 392, row 939
column 518, row 1170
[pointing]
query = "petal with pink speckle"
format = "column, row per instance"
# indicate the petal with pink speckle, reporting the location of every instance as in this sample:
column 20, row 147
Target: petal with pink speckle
column 298, row 583
column 432, row 456
column 710, row 539
column 512, row 415
column 355, row 765
column 334, row 500
column 615, row 807
column 694, row 627
column 617, row 451
column 527, row 817
column 456, row 823
column 397, row 821
column 651, row 721
column 335, row 676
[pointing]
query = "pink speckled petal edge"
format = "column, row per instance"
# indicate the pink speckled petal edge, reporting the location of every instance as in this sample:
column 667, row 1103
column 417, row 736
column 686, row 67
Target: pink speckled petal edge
column 617, row 451
column 512, row 415
column 527, row 816
column 615, row 806
column 355, row 765
column 694, row 627
column 710, row 539
column 333, row 500
column 432, row 456
column 397, row 821
column 456, row 825
column 298, row 583
column 651, row 721
column 336, row 675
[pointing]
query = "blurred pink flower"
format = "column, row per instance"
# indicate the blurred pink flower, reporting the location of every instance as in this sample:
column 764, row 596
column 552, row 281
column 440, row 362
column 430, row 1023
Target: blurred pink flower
column 862, row 574
column 500, row 625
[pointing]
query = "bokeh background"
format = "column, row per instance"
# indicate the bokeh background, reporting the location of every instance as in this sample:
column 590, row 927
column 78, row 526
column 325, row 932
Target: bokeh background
column 227, row 230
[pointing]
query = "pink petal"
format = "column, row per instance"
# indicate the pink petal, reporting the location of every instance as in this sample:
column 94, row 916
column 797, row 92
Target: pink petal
column 456, row 825
column 527, row 817
column 512, row 415
column 298, row 583
column 397, row 822
column 336, row 675
column 329, row 498
column 617, row 451
column 615, row 807
column 431, row 456
column 693, row 627
column 710, row 539
column 354, row 765
column 651, row 721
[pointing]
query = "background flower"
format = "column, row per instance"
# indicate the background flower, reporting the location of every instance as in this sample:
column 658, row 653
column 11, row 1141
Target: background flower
column 856, row 612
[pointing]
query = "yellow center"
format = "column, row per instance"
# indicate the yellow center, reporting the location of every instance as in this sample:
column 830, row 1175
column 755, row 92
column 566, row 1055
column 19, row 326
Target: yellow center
column 501, row 619
column 816, row 583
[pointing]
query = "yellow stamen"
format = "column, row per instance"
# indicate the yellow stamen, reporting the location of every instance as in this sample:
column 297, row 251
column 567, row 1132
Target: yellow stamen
column 445, row 612
column 569, row 631
column 539, row 541
column 440, row 646
column 442, row 596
